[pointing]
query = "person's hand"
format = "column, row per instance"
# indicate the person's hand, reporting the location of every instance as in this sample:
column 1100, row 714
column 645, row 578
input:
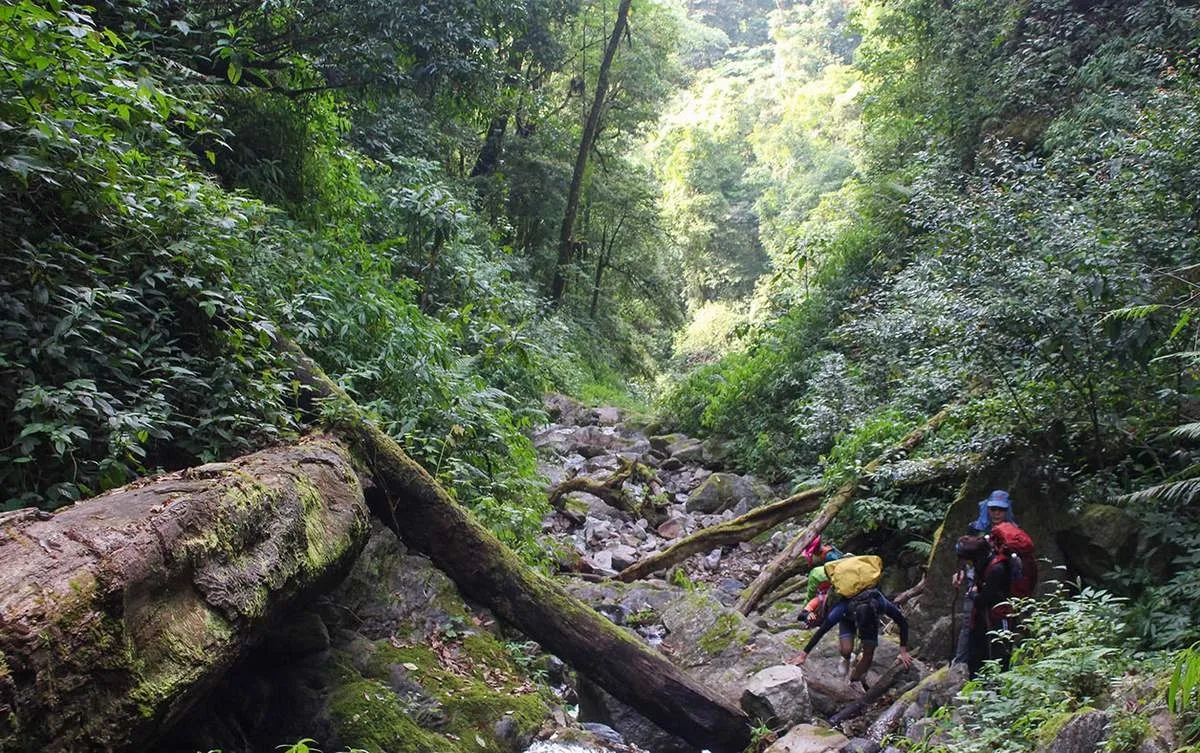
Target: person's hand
column 957, row 579
column 799, row 658
column 905, row 657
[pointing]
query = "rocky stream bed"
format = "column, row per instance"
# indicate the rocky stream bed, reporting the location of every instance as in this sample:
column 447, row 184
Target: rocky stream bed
column 394, row 660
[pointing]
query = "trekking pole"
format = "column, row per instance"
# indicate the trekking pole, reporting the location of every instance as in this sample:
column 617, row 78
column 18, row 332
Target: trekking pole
column 954, row 623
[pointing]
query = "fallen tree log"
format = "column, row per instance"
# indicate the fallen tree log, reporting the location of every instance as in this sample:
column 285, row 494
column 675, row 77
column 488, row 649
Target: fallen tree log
column 764, row 518
column 743, row 528
column 790, row 561
column 118, row 612
column 612, row 491
column 418, row 510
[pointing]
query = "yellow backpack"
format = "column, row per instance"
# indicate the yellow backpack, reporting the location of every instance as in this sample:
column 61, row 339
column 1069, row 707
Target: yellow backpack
column 853, row 575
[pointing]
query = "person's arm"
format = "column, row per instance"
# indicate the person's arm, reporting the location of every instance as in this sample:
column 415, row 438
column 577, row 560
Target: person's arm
column 893, row 611
column 835, row 616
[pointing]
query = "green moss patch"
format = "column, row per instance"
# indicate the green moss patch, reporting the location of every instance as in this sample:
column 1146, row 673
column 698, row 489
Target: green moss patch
column 724, row 633
column 369, row 715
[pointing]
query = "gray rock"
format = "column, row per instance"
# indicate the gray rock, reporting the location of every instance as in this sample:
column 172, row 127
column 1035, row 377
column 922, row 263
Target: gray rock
column 662, row 442
column 1082, row 734
column 712, row 560
column 687, row 450
column 778, row 695
column 607, row 416
column 622, row 556
column 861, row 745
column 671, row 529
column 716, row 494
column 808, row 738
column 601, row 562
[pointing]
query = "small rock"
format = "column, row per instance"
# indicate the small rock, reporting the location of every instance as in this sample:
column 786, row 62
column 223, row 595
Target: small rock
column 622, row 556
column 672, row 529
column 808, row 738
column 861, row 745
column 712, row 560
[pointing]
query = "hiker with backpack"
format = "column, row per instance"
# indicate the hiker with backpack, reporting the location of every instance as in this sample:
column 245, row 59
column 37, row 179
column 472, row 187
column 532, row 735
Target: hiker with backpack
column 819, row 585
column 995, row 508
column 858, row 614
column 1004, row 568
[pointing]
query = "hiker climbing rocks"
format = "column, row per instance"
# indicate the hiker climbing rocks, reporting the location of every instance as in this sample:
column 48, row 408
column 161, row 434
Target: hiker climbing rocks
column 859, row 616
column 1003, row 567
column 858, row 613
column 995, row 508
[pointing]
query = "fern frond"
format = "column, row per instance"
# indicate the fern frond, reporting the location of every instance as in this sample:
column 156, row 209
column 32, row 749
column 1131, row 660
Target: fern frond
column 1181, row 491
column 1186, row 431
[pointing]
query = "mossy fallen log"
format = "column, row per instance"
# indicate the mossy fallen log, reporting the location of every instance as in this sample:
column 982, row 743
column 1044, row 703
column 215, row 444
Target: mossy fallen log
column 790, row 561
column 118, row 612
column 417, row 509
column 612, row 491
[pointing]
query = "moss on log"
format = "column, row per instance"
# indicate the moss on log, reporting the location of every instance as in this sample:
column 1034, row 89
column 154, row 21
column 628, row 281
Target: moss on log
column 117, row 612
column 742, row 528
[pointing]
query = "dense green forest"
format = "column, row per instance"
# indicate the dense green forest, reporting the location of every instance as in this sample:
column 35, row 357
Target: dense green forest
column 799, row 228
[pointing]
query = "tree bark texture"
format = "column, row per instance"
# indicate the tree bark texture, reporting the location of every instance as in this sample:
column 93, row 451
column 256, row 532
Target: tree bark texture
column 790, row 560
column 742, row 528
column 118, row 612
column 414, row 506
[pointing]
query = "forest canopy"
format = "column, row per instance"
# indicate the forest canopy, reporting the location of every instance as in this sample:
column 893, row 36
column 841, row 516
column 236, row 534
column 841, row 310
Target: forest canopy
column 805, row 227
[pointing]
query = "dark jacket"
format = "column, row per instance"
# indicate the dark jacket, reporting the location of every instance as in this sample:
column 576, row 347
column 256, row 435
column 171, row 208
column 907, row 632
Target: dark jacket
column 841, row 611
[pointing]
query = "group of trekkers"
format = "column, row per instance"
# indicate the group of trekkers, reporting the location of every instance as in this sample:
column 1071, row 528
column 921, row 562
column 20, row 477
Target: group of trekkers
column 996, row 564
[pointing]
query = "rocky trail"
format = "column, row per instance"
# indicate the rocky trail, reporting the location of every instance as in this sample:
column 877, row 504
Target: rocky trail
column 687, row 610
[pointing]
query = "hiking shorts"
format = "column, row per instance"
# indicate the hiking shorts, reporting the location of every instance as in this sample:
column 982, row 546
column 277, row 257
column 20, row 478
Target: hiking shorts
column 868, row 635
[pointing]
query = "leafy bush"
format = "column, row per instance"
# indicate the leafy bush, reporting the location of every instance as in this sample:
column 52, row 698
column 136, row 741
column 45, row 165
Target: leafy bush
column 1071, row 654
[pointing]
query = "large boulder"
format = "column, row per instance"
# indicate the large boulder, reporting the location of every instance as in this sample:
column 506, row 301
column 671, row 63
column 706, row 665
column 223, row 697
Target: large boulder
column 1083, row 733
column 778, row 695
column 725, row 491
column 1104, row 536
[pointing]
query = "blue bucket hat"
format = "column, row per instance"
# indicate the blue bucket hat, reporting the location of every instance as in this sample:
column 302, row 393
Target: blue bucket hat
column 998, row 498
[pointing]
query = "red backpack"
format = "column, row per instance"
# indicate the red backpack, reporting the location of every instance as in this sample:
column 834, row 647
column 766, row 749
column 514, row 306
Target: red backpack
column 1014, row 547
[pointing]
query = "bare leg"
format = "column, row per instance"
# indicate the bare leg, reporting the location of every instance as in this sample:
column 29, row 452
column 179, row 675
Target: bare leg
column 846, row 647
column 864, row 663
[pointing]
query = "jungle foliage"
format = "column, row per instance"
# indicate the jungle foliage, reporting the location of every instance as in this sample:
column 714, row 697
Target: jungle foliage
column 183, row 182
column 827, row 218
column 1007, row 226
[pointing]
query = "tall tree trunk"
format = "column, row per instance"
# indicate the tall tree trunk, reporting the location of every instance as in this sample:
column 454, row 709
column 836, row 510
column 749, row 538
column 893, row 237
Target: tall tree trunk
column 566, row 243
column 493, row 147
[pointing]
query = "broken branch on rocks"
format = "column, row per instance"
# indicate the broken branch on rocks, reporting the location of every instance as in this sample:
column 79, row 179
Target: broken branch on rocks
column 743, row 528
